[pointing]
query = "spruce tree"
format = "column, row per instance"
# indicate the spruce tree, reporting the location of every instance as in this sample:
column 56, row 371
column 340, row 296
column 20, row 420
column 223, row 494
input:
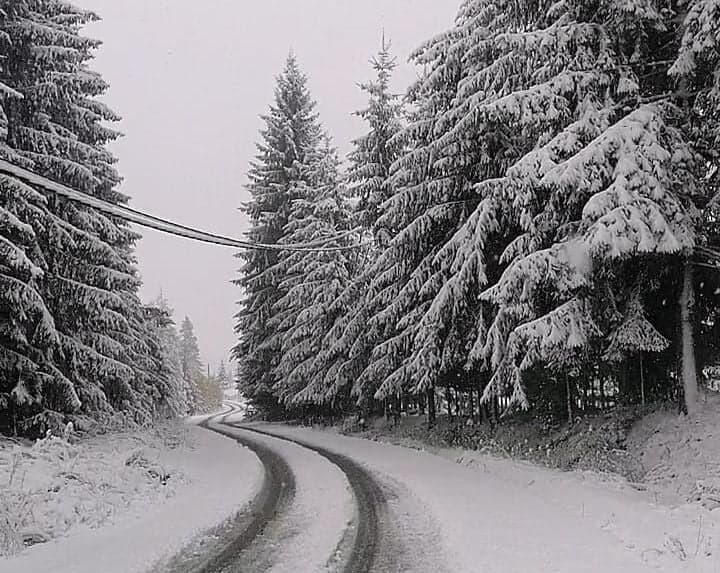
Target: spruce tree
column 223, row 377
column 375, row 152
column 312, row 280
column 346, row 349
column 190, row 364
column 89, row 284
column 169, row 356
column 570, row 128
column 427, row 205
column 277, row 177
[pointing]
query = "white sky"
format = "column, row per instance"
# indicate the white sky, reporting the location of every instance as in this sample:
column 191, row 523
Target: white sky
column 191, row 79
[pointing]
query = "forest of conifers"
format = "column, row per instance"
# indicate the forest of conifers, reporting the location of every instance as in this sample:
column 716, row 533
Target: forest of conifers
column 76, row 343
column 532, row 225
column 537, row 218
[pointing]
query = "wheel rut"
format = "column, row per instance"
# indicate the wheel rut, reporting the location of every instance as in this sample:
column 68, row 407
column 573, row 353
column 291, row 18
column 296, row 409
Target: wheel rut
column 370, row 502
column 225, row 549
column 248, row 542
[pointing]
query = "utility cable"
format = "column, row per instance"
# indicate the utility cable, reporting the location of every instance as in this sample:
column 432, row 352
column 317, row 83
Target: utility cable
column 137, row 217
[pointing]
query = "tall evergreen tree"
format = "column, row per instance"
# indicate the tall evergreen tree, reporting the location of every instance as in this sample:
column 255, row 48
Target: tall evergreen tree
column 431, row 194
column 223, row 376
column 375, row 152
column 278, row 176
column 520, row 247
column 89, row 283
column 190, row 363
column 346, row 349
column 169, row 356
column 312, row 280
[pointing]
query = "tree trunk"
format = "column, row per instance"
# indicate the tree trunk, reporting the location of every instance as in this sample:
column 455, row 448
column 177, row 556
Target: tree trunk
column 471, row 405
column 431, row 406
column 642, row 381
column 569, row 399
column 689, row 373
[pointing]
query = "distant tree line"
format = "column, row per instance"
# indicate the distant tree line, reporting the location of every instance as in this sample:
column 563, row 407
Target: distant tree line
column 538, row 217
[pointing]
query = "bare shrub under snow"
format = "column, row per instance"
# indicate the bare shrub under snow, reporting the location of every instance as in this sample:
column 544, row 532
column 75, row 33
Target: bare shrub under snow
column 59, row 484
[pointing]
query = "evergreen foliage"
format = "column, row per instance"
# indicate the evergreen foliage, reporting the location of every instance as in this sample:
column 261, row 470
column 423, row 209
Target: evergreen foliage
column 538, row 219
column 280, row 175
column 312, row 281
column 375, row 152
column 76, row 341
column 345, row 350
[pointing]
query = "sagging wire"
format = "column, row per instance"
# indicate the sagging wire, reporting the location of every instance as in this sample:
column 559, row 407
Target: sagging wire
column 137, row 217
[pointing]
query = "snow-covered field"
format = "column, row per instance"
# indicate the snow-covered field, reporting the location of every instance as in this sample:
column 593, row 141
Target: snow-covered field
column 104, row 504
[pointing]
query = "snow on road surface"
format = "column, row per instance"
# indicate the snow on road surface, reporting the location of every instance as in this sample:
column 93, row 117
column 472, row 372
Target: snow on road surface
column 218, row 478
column 305, row 539
column 454, row 512
column 498, row 516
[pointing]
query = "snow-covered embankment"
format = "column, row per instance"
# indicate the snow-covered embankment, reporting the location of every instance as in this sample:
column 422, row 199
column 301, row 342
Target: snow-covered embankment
column 105, row 502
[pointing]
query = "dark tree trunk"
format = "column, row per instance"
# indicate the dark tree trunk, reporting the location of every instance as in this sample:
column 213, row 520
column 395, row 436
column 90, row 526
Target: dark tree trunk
column 432, row 415
column 568, row 391
column 689, row 373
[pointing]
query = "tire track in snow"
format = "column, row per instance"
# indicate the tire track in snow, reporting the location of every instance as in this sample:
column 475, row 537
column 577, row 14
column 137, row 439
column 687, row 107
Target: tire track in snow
column 273, row 500
column 369, row 497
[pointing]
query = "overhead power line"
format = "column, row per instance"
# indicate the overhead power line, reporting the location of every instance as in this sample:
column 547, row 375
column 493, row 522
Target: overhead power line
column 137, row 217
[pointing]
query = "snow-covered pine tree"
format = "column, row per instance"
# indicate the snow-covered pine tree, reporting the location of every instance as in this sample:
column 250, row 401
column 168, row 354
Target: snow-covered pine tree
column 168, row 356
column 347, row 346
column 27, row 331
column 695, row 72
column 28, row 338
column 432, row 195
column 598, row 178
column 90, row 285
column 375, row 152
column 222, row 377
column 312, row 280
column 289, row 141
column 190, row 364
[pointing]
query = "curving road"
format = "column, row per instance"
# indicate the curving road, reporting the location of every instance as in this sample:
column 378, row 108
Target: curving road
column 334, row 504
column 366, row 544
column 370, row 504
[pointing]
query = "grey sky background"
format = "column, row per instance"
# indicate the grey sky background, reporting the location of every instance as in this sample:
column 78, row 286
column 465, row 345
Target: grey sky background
column 191, row 79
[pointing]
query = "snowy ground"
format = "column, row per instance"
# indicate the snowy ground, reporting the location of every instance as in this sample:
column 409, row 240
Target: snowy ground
column 321, row 511
column 450, row 510
column 106, row 516
column 503, row 516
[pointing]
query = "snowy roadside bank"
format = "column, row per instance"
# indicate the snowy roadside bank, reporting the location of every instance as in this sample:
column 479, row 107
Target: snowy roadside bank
column 106, row 507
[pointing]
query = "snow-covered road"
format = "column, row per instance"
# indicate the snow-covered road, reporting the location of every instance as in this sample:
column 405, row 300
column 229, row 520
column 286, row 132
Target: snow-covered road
column 306, row 501
column 504, row 517
column 343, row 517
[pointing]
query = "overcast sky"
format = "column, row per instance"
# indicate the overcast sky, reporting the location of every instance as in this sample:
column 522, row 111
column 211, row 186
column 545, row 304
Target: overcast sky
column 190, row 79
